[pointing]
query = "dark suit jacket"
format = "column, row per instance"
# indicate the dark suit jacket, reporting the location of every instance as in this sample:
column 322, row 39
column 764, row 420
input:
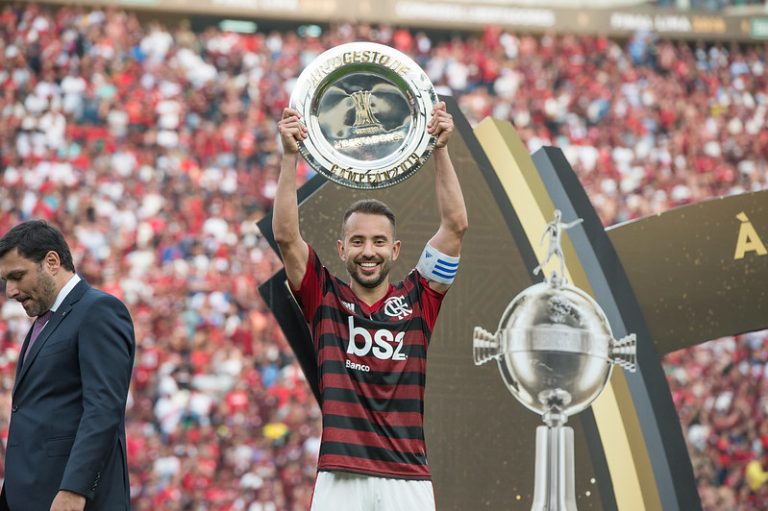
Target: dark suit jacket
column 67, row 426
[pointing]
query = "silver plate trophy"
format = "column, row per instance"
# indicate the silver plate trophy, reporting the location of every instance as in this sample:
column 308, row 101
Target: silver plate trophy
column 366, row 107
column 555, row 352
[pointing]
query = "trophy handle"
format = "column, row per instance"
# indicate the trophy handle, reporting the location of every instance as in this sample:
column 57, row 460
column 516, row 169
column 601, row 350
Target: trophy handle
column 485, row 346
column 624, row 352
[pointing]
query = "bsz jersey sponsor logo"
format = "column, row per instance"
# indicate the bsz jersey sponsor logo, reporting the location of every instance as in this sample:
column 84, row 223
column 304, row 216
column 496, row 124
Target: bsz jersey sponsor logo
column 382, row 343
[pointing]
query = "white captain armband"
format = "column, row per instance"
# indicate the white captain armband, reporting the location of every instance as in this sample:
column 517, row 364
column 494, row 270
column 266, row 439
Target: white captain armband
column 438, row 267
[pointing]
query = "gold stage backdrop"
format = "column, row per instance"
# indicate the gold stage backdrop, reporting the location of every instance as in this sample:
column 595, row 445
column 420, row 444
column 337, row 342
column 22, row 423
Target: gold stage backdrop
column 675, row 279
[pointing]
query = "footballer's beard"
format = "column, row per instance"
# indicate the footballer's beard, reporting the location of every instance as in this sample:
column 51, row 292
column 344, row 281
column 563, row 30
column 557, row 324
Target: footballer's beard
column 372, row 281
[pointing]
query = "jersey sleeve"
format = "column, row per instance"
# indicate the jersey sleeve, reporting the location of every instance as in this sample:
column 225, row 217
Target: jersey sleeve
column 310, row 293
column 431, row 300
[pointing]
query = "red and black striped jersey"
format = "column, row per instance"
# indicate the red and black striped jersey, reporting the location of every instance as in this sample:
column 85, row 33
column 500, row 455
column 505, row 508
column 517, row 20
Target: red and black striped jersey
column 372, row 366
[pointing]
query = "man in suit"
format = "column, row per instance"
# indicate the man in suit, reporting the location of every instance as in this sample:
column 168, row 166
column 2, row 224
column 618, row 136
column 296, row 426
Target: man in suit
column 66, row 442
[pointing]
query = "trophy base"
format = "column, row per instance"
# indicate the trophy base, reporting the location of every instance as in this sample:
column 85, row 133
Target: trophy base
column 554, row 488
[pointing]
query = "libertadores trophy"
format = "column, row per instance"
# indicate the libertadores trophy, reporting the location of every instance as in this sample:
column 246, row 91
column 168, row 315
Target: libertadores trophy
column 366, row 107
column 555, row 352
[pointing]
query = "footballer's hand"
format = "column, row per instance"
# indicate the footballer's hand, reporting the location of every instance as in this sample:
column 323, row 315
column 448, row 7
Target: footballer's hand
column 291, row 130
column 440, row 125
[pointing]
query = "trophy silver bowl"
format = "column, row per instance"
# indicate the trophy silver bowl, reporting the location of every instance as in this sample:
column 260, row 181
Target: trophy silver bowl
column 554, row 349
column 555, row 352
column 366, row 107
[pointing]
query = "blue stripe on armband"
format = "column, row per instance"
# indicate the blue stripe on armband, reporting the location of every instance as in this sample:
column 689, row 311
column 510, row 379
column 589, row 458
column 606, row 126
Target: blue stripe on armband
column 448, row 264
column 443, row 275
column 450, row 271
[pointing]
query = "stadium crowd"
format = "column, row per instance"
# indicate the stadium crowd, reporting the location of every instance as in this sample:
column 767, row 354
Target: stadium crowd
column 154, row 149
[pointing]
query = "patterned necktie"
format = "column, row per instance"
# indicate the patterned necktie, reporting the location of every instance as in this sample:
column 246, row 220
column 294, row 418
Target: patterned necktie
column 40, row 322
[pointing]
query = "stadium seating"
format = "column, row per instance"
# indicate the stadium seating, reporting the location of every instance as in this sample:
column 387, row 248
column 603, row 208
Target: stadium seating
column 155, row 150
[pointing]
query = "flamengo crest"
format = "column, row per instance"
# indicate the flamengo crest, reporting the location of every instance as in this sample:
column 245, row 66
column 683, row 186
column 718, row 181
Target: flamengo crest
column 397, row 307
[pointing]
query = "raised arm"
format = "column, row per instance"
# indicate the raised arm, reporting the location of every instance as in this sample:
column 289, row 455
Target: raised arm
column 285, row 213
column 450, row 201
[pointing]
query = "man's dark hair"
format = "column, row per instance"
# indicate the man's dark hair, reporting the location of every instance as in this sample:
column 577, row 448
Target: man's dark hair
column 369, row 207
column 35, row 238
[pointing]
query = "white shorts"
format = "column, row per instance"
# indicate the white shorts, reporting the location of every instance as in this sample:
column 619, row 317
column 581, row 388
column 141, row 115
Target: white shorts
column 344, row 491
